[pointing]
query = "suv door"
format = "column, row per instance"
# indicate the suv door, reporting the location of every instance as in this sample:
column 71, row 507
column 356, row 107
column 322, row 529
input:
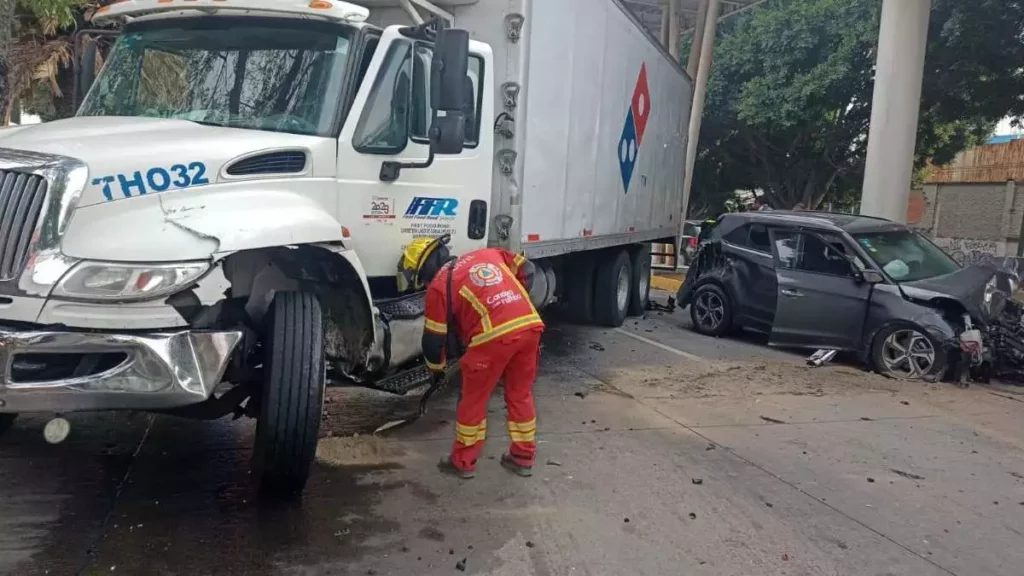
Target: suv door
column 821, row 300
column 755, row 283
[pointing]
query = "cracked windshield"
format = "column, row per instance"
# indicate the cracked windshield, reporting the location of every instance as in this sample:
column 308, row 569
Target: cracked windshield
column 283, row 79
column 511, row 287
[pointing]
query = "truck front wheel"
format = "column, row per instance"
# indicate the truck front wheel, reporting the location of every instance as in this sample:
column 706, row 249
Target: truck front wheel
column 6, row 421
column 292, row 401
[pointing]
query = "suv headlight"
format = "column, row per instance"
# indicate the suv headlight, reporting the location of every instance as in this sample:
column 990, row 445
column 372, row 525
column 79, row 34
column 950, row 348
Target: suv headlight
column 128, row 282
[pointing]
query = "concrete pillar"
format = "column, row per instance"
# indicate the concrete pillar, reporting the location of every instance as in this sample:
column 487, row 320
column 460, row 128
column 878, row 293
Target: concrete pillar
column 895, row 109
column 698, row 39
column 663, row 38
column 700, row 92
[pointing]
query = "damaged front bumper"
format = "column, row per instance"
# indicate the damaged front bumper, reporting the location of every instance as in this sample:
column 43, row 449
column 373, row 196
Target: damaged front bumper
column 63, row 371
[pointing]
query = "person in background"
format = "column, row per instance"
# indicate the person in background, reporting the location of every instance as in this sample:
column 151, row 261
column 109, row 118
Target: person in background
column 760, row 205
column 481, row 301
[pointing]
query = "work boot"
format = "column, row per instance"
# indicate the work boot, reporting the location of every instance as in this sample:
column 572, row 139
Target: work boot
column 446, row 466
column 508, row 463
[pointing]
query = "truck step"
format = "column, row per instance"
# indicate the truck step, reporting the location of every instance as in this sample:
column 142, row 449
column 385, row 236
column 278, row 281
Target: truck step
column 403, row 382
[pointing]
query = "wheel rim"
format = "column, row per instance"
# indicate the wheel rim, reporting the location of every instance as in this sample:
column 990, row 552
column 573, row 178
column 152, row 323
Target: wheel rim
column 622, row 290
column 908, row 354
column 710, row 310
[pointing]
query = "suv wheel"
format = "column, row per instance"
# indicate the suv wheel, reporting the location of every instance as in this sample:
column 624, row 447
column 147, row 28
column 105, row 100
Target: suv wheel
column 6, row 421
column 906, row 352
column 711, row 310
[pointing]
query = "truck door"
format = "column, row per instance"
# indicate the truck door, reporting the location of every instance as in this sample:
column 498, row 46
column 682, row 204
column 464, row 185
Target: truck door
column 389, row 121
column 821, row 301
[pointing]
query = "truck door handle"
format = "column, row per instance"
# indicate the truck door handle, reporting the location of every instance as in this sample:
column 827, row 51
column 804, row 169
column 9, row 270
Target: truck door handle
column 791, row 293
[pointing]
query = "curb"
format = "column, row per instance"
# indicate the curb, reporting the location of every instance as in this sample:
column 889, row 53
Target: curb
column 666, row 283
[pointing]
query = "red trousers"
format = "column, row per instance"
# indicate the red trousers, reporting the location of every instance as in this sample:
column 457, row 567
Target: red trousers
column 514, row 358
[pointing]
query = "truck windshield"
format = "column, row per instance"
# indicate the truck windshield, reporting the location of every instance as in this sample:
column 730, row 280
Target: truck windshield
column 906, row 256
column 262, row 75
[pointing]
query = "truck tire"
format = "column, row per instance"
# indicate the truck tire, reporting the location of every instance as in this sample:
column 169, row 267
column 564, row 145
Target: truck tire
column 579, row 288
column 641, row 286
column 6, row 421
column 292, row 400
column 612, row 290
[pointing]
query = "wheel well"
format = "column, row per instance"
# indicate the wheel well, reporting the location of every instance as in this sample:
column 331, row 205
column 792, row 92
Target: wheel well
column 256, row 275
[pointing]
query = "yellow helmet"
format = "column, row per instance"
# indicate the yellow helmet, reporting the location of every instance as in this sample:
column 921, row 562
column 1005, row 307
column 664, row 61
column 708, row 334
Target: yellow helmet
column 415, row 256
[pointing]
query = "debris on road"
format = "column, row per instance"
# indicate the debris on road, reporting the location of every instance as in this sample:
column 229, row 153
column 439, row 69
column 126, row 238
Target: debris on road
column 580, row 395
column 905, row 402
column 693, row 516
column 530, row 544
column 785, row 557
column 866, row 419
column 769, row 504
column 697, row 481
column 907, row 475
column 871, row 480
column 772, row 420
column 461, row 565
column 596, row 346
column 820, row 357
column 626, row 520
column 554, row 463
column 710, row 447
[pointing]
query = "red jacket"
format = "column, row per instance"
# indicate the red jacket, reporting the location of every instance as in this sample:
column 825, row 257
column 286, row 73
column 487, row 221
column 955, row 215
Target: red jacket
column 490, row 299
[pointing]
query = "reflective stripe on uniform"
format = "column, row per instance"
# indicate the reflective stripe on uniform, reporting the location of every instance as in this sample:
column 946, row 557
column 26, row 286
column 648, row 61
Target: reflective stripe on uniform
column 500, row 330
column 522, row 289
column 470, row 435
column 517, row 262
column 485, row 316
column 436, row 367
column 523, row 431
column 435, row 327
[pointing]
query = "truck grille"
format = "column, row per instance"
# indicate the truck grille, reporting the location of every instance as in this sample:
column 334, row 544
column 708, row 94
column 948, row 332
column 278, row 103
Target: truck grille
column 21, row 203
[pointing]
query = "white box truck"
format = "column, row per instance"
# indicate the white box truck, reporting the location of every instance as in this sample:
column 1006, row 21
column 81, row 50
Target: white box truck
column 218, row 229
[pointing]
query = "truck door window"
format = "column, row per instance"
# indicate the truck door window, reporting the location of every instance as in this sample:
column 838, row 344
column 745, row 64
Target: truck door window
column 384, row 125
column 422, row 111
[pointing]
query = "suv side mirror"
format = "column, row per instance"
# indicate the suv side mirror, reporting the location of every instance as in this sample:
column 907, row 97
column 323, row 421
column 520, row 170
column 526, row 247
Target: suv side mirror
column 449, row 70
column 872, row 277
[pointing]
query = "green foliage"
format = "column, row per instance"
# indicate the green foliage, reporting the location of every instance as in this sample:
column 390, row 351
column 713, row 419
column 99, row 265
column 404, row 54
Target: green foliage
column 789, row 102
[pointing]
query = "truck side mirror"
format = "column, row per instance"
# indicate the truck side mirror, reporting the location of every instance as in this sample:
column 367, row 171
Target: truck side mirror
column 449, row 71
column 449, row 79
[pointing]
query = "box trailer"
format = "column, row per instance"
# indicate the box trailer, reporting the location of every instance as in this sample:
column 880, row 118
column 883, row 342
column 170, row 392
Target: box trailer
column 217, row 230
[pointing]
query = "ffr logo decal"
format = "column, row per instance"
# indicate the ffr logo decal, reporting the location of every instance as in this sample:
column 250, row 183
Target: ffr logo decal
column 422, row 207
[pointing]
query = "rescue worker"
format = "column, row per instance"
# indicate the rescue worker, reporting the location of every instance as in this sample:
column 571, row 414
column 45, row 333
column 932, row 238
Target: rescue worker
column 481, row 301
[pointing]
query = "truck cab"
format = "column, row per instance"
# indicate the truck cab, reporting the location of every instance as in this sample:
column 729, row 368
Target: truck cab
column 219, row 226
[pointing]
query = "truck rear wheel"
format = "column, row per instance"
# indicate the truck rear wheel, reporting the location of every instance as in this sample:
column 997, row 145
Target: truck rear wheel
column 579, row 288
column 6, row 421
column 641, row 285
column 292, row 401
column 612, row 291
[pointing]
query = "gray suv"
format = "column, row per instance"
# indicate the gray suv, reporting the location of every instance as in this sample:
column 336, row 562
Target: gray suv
column 839, row 281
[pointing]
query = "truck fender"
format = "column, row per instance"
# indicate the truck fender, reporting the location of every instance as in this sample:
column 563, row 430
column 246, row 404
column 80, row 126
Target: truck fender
column 334, row 273
column 197, row 225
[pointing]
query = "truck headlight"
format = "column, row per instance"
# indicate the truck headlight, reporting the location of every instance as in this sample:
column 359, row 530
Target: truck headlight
column 128, row 282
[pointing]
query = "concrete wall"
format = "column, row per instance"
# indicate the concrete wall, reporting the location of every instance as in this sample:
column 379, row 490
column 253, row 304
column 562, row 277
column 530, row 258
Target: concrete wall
column 972, row 221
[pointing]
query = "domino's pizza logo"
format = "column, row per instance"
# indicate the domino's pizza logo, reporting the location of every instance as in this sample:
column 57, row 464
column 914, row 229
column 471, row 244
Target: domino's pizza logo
column 636, row 125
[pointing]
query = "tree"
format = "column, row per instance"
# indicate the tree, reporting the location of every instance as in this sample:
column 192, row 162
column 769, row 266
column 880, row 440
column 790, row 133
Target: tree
column 35, row 64
column 789, row 102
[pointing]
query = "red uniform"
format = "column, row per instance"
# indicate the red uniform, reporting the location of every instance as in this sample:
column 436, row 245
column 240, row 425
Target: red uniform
column 500, row 331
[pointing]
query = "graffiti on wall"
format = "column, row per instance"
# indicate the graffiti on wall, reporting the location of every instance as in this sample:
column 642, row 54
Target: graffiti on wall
column 968, row 251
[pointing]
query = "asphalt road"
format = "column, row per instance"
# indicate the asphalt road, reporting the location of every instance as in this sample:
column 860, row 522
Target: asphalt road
column 661, row 453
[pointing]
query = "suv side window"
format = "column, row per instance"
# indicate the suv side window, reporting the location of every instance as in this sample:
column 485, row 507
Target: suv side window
column 753, row 236
column 808, row 253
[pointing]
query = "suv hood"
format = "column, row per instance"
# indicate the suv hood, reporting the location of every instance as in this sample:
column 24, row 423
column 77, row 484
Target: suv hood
column 966, row 286
column 126, row 155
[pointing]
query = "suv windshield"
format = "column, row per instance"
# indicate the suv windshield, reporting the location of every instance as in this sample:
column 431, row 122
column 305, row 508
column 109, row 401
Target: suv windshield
column 906, row 256
column 240, row 72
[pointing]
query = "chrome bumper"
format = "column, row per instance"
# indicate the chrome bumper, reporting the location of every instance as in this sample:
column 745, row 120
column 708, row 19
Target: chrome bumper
column 159, row 371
